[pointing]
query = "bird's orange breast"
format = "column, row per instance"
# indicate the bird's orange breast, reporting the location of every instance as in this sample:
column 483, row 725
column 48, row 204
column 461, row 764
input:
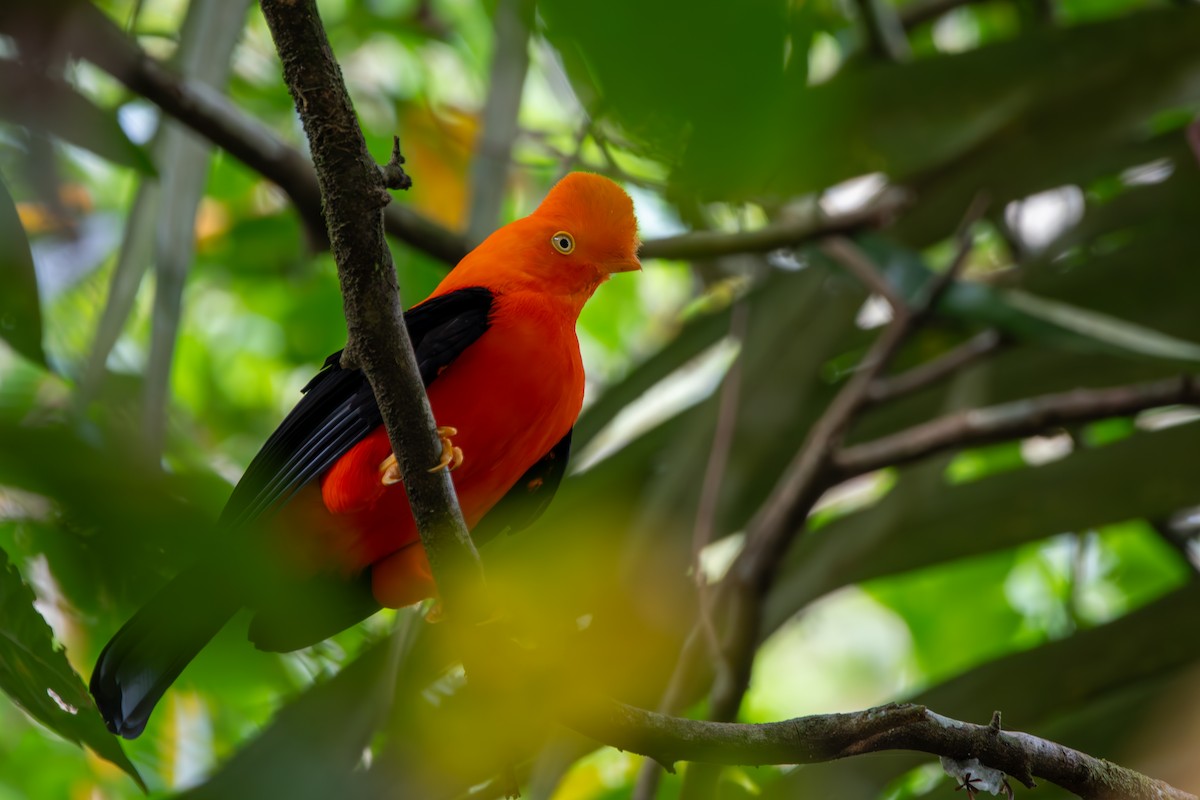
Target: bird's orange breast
column 512, row 395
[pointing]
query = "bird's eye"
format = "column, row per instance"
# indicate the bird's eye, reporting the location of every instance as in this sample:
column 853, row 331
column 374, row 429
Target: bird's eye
column 563, row 242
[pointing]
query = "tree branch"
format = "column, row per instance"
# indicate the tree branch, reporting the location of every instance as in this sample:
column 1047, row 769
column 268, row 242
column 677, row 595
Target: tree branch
column 855, row 261
column 1013, row 420
column 88, row 32
column 354, row 195
column 826, row 737
column 978, row 347
column 780, row 234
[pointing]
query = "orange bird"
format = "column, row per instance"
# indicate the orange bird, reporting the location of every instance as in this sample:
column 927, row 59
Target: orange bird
column 497, row 351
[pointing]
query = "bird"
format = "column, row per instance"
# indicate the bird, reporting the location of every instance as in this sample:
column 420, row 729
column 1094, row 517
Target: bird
column 497, row 351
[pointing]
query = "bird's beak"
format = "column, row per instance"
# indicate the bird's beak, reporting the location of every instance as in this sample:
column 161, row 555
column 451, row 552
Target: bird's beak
column 631, row 264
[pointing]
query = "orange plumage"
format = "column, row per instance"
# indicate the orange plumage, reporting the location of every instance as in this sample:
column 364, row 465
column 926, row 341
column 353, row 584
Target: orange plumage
column 498, row 353
column 512, row 394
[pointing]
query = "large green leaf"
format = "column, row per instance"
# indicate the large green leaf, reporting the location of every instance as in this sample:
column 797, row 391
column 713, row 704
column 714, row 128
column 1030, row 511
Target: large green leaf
column 658, row 92
column 1028, row 317
column 315, row 743
column 920, row 523
column 20, row 308
column 36, row 675
column 1083, row 88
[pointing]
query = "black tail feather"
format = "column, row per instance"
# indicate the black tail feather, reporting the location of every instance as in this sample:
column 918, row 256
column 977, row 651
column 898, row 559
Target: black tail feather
column 145, row 657
column 309, row 611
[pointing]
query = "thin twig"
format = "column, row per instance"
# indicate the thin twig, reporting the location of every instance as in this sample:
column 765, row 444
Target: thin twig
column 1020, row 418
column 786, row 233
column 394, row 176
column 952, row 361
column 936, row 289
column 714, row 472
column 728, row 401
column 856, row 262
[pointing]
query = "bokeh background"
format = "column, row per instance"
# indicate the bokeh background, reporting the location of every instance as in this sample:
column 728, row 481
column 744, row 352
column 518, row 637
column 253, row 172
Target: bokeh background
column 162, row 304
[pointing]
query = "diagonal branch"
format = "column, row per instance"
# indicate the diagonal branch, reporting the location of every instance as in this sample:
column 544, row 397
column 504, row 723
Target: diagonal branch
column 977, row 347
column 783, row 233
column 89, row 33
column 1013, row 420
column 826, row 737
column 354, row 195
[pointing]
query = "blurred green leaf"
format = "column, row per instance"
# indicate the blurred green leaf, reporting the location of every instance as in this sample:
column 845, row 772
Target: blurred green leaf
column 315, row 743
column 923, row 522
column 658, row 93
column 37, row 676
column 53, row 106
column 1091, row 690
column 1103, row 329
column 946, row 638
column 20, row 307
column 1025, row 316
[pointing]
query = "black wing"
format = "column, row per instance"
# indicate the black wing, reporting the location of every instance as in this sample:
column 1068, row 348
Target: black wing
column 529, row 497
column 338, row 408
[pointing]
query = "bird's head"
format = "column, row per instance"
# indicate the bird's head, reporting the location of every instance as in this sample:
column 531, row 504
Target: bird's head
column 582, row 233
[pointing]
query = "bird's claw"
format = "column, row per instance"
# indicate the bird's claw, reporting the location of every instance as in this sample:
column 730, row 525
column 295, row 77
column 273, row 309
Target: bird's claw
column 389, row 470
column 452, row 457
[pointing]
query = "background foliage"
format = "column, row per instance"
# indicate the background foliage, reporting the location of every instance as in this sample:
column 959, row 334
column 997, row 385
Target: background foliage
column 161, row 305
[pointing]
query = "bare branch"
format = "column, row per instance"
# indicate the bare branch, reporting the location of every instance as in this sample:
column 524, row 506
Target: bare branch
column 1013, row 420
column 394, row 176
column 648, row 777
column 977, row 347
column 965, row 239
column 826, row 737
column 787, row 233
column 352, row 187
column 91, row 34
column 851, row 256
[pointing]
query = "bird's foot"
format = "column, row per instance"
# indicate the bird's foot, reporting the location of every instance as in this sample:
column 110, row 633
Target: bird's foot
column 389, row 470
column 452, row 457
column 436, row 612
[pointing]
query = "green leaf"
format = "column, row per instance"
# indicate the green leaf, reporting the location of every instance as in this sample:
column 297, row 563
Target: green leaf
column 316, row 742
column 1103, row 329
column 1028, row 317
column 922, row 522
column 20, row 309
column 38, row 677
column 51, row 105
